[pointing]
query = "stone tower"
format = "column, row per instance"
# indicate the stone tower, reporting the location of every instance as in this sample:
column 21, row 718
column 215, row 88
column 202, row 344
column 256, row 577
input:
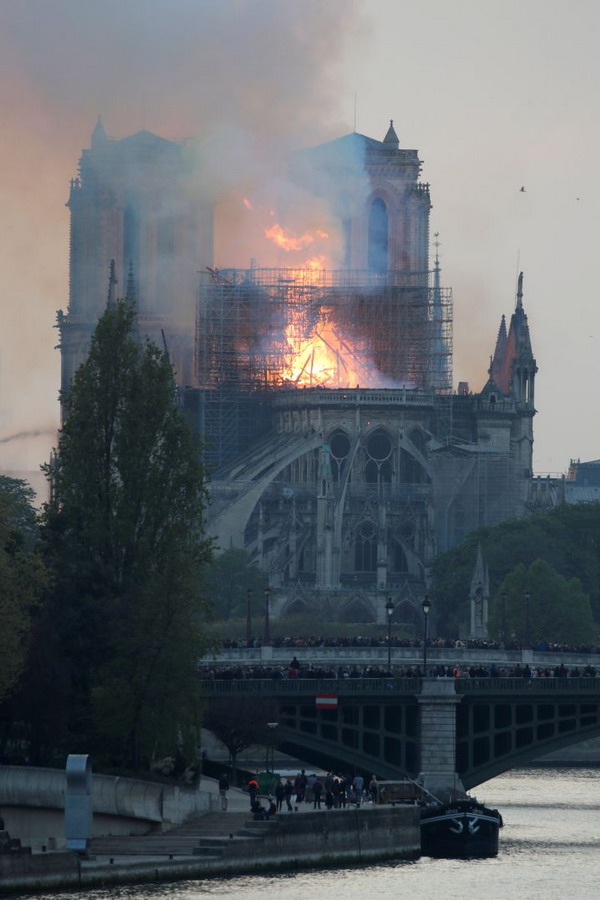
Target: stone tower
column 375, row 192
column 132, row 202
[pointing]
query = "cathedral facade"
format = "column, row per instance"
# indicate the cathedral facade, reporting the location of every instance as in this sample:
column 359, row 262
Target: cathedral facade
column 344, row 477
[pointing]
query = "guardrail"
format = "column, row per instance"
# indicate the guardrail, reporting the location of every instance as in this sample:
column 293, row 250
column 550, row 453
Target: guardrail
column 528, row 685
column 312, row 686
column 448, row 656
column 406, row 686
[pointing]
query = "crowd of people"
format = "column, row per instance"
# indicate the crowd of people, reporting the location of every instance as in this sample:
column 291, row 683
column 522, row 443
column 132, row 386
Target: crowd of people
column 435, row 643
column 310, row 671
column 328, row 792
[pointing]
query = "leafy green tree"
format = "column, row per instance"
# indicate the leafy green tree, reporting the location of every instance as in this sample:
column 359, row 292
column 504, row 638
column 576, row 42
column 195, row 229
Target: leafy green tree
column 230, row 577
column 22, row 577
column 567, row 538
column 124, row 539
column 537, row 604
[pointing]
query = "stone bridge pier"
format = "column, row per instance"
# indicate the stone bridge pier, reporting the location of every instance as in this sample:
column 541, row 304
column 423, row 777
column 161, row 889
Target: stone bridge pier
column 438, row 702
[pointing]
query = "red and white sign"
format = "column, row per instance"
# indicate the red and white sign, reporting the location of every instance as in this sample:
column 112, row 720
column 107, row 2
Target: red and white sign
column 326, row 701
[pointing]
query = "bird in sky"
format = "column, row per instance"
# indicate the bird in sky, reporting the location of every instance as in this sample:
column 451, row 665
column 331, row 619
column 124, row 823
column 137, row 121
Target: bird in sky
column 522, row 189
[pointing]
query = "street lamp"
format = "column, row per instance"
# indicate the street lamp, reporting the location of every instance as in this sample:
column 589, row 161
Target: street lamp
column 503, row 597
column 389, row 608
column 426, row 610
column 248, row 617
column 267, row 634
column 527, row 622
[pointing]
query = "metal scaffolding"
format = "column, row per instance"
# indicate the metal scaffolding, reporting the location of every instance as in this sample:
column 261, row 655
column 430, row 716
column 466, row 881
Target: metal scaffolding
column 263, row 330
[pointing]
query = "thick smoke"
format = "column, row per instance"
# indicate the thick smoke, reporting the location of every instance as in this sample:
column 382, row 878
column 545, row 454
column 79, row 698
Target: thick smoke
column 247, row 80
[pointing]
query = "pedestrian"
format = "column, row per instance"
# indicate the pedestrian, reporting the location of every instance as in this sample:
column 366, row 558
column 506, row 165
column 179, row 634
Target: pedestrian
column 253, row 791
column 279, row 795
column 288, row 790
column 223, row 788
column 373, row 789
column 310, row 784
column 317, row 791
column 358, row 785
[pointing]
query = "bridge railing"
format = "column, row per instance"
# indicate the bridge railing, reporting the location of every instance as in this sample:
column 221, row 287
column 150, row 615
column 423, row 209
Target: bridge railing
column 312, row 686
column 405, row 686
column 527, row 685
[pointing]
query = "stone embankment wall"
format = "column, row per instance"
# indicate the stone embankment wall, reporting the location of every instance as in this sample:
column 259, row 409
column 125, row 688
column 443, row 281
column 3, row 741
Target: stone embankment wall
column 328, row 839
column 33, row 803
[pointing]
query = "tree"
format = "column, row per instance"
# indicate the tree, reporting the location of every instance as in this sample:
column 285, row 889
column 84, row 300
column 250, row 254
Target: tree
column 536, row 605
column 124, row 538
column 22, row 577
column 241, row 722
column 230, row 577
column 567, row 538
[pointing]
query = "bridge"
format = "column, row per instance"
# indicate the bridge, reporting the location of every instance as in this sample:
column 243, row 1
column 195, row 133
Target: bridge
column 449, row 732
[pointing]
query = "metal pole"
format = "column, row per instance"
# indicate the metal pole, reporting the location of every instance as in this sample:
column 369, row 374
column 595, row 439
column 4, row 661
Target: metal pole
column 389, row 608
column 267, row 634
column 248, row 617
column 527, row 622
column 504, row 616
column 426, row 608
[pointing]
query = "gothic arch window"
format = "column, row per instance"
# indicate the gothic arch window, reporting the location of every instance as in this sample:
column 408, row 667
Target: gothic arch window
column 339, row 449
column 378, row 469
column 378, row 237
column 365, row 547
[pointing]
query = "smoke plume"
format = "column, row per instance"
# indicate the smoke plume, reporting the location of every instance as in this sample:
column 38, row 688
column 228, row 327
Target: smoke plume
column 246, row 80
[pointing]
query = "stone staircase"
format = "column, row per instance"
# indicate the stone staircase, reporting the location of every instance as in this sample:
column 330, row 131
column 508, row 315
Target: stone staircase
column 207, row 837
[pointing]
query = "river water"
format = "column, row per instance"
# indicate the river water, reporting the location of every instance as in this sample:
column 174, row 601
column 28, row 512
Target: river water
column 549, row 849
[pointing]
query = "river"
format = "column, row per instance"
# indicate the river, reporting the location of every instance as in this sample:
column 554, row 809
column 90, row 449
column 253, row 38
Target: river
column 549, row 848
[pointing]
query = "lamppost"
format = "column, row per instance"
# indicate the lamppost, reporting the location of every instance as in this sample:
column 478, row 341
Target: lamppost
column 389, row 608
column 527, row 622
column 503, row 598
column 426, row 610
column 248, row 617
column 267, row 634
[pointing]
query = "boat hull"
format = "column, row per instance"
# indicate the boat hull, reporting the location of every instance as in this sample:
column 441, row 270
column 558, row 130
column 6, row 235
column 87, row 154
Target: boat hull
column 460, row 830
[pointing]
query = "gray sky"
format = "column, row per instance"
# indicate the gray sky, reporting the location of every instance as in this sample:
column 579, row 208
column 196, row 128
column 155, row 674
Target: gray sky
column 494, row 95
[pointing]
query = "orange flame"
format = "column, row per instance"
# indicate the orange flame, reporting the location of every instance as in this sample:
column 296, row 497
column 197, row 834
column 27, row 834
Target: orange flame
column 286, row 239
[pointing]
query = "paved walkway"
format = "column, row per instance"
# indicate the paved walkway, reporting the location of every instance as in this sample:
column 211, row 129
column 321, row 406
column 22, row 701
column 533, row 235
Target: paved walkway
column 194, row 837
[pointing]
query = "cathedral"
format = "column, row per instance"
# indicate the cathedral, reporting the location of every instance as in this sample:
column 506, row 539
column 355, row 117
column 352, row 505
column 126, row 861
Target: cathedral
column 340, row 455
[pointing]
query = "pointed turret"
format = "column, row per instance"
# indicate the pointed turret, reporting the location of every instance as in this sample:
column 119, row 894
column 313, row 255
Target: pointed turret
column 112, row 284
column 130, row 294
column 497, row 362
column 479, row 596
column 519, row 354
column 391, row 138
column 513, row 367
column 99, row 135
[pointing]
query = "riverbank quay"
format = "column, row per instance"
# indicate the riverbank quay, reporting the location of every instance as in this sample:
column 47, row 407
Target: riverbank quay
column 205, row 849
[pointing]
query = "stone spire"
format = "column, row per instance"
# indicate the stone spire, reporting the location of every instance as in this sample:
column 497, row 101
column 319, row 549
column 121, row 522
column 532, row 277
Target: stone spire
column 391, row 138
column 479, row 596
column 130, row 294
column 112, row 283
column 99, row 135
